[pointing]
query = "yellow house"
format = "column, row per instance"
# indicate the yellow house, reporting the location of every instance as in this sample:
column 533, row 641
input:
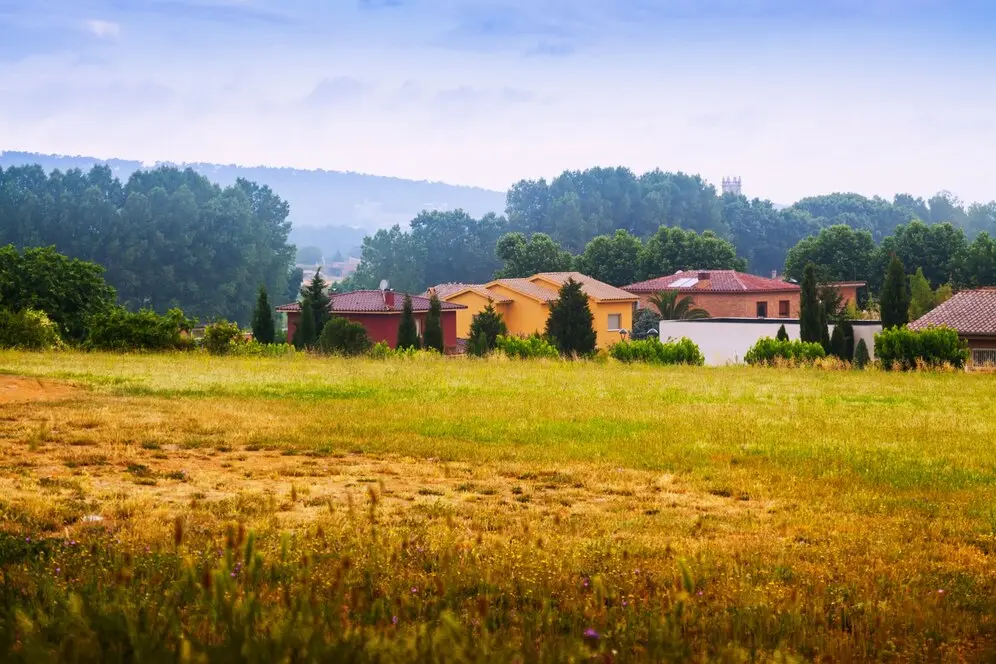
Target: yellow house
column 525, row 303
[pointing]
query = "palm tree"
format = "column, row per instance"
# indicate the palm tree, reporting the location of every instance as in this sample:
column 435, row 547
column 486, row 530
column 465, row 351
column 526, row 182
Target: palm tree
column 672, row 307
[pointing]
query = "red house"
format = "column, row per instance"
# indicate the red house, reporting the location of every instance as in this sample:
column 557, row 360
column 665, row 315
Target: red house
column 380, row 313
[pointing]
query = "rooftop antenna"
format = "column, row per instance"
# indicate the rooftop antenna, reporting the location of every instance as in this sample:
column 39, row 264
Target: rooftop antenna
column 383, row 284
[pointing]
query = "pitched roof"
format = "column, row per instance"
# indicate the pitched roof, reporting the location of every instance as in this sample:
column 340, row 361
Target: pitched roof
column 591, row 287
column 716, row 281
column 527, row 287
column 969, row 312
column 372, row 301
column 444, row 291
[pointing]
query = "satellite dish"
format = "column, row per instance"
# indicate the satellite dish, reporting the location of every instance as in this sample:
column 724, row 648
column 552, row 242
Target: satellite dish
column 383, row 284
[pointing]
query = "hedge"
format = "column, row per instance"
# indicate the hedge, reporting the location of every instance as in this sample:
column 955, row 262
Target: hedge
column 654, row 351
column 525, row 348
column 902, row 348
column 768, row 351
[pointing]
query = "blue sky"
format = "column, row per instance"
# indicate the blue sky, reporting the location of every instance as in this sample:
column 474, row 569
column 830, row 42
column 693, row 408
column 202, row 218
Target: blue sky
column 796, row 96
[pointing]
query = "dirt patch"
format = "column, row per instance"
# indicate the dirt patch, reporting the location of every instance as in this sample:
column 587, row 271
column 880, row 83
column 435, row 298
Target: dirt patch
column 15, row 389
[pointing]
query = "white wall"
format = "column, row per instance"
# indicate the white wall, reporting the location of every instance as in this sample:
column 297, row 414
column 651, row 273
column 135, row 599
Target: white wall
column 726, row 341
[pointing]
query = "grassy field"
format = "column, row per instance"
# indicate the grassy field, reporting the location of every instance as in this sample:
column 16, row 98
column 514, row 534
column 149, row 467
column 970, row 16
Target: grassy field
column 189, row 508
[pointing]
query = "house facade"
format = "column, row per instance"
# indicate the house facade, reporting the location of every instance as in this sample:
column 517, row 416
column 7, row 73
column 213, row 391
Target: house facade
column 973, row 315
column 379, row 312
column 726, row 293
column 525, row 303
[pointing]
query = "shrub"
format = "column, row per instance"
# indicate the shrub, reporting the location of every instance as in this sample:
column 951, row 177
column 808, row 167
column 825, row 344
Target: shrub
column 525, row 348
column 769, row 351
column 343, row 336
column 653, row 351
column 861, row 356
column 433, row 335
column 254, row 348
column 29, row 329
column 263, row 327
column 783, row 334
column 570, row 324
column 122, row 330
column 407, row 330
column 902, row 348
column 221, row 336
column 491, row 325
column 380, row 351
column 478, row 344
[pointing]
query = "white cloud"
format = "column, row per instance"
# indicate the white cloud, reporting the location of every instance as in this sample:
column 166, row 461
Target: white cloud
column 103, row 29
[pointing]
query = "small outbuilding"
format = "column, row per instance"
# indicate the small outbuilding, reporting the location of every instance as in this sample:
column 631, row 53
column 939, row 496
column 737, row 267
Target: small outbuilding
column 973, row 315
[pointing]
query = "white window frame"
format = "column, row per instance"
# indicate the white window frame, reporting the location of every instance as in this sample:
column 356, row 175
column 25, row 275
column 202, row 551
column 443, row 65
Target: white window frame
column 618, row 327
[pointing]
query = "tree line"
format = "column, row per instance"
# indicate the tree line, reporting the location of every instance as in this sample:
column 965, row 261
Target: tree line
column 166, row 238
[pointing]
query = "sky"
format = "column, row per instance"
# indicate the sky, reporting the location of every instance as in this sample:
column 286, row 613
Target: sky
column 797, row 97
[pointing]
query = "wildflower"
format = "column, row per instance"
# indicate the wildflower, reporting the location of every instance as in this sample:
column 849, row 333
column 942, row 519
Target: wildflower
column 940, row 591
column 585, row 583
column 591, row 634
column 414, row 591
column 232, row 575
column 27, row 539
column 625, row 603
column 58, row 569
column 699, row 593
column 394, row 620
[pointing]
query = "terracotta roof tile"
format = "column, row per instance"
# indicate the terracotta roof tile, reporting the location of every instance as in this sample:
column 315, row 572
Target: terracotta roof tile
column 529, row 288
column 969, row 312
column 592, row 287
column 717, row 281
column 444, row 291
column 372, row 301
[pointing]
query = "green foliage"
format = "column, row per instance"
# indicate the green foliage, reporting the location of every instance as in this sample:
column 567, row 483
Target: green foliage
column 782, row 334
column 488, row 324
column 433, row 335
column 938, row 251
column 263, row 327
column 294, row 279
column 847, row 331
column 770, row 351
column 28, row 329
column 810, row 309
column 671, row 305
column 524, row 258
column 904, row 349
column 671, row 249
column 304, row 334
column 763, row 235
column 221, row 336
column 67, row 290
column 875, row 216
column 838, row 253
column 316, row 292
column 526, row 348
column 407, row 330
column 921, row 295
column 253, row 348
column 167, row 237
column 380, row 351
column 824, row 331
column 654, row 351
column 121, row 330
column 478, row 344
column 309, row 255
column 895, row 299
column 570, row 325
column 614, row 259
column 861, row 356
column 646, row 323
column 344, row 337
column 979, row 267
column 838, row 344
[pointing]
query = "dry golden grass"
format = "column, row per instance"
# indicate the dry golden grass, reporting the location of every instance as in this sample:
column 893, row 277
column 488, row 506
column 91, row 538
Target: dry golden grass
column 795, row 493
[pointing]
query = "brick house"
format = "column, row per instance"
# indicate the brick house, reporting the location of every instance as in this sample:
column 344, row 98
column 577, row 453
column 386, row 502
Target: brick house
column 973, row 315
column 726, row 293
column 379, row 312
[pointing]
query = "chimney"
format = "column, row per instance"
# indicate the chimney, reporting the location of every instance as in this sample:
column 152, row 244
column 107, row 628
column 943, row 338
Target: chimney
column 388, row 298
column 774, row 274
column 703, row 276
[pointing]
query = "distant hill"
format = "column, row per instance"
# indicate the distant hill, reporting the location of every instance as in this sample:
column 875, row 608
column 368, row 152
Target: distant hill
column 323, row 203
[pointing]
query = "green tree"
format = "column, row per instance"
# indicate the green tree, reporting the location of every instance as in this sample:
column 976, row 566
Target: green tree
column 672, row 249
column 894, row 299
column 921, row 296
column 646, row 323
column 67, row 290
column 263, row 329
column 825, row 331
column 847, row 331
column 810, row 309
column 782, row 333
column 938, row 250
column 407, row 330
column 488, row 324
column 838, row 253
column 478, row 344
column 309, row 255
column 304, row 335
column 316, row 292
column 613, row 259
column 294, row 280
column 524, row 258
column 838, row 347
column 672, row 306
column 570, row 325
column 861, row 357
column 979, row 266
column 433, row 335
column 343, row 336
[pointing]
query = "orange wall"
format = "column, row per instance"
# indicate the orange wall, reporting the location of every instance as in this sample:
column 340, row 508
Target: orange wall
column 475, row 303
column 523, row 315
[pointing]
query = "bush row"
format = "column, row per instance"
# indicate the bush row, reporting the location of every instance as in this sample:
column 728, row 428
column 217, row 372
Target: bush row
column 654, row 351
column 525, row 348
column 768, row 351
column 902, row 348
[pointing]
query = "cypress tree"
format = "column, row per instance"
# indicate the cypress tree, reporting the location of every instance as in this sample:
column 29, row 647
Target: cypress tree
column 263, row 329
column 782, row 335
column 407, row 330
column 810, row 308
column 825, row 332
column 433, row 336
column 304, row 335
column 847, row 329
column 838, row 346
column 570, row 324
column 316, row 292
column 861, row 357
column 478, row 344
column 895, row 298
column 491, row 324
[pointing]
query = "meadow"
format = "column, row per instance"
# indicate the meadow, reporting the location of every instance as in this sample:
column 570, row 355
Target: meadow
column 183, row 507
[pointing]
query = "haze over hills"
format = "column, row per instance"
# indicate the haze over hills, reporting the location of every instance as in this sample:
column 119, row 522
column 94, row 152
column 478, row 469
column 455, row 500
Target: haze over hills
column 329, row 209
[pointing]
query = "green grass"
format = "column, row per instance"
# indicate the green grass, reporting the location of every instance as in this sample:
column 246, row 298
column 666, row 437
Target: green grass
column 680, row 513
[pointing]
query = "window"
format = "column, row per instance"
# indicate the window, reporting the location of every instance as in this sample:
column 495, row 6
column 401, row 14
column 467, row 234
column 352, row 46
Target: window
column 762, row 309
column 615, row 322
column 783, row 308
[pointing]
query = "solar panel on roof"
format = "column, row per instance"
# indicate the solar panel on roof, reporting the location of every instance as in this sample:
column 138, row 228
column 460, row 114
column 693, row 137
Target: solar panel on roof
column 685, row 282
